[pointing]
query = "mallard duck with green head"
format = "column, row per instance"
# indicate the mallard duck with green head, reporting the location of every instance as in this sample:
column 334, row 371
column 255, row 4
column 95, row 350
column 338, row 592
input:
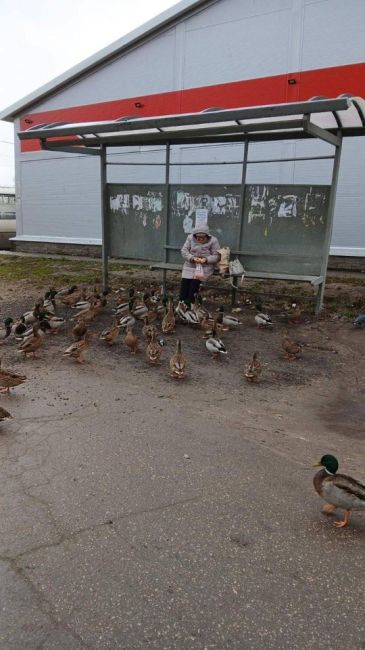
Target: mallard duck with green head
column 49, row 323
column 49, row 302
column 125, row 307
column 228, row 319
column 215, row 345
column 262, row 319
column 190, row 315
column 141, row 308
column 338, row 490
column 128, row 319
column 6, row 330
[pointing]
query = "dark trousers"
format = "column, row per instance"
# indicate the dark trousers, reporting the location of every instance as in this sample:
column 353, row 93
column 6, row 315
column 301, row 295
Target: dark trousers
column 188, row 289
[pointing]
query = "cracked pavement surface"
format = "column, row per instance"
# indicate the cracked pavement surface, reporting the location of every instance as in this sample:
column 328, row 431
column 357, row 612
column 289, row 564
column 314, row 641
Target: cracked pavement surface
column 137, row 512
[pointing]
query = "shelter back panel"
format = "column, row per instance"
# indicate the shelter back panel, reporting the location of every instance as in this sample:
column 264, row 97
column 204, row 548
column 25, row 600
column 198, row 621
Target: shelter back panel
column 137, row 221
column 282, row 229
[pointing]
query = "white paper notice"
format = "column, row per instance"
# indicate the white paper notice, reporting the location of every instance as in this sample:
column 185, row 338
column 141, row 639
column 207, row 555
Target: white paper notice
column 201, row 217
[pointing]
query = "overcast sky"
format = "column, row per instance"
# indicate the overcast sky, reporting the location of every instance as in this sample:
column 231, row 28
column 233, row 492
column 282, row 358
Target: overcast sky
column 43, row 38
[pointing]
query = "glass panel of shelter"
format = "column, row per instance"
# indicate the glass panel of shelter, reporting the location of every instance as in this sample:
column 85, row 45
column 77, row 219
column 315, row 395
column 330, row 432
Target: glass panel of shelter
column 283, row 225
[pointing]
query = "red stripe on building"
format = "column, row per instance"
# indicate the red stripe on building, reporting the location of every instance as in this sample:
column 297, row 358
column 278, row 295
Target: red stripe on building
column 328, row 82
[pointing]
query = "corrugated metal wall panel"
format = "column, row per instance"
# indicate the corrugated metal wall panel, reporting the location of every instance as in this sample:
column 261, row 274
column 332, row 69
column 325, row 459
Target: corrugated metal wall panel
column 146, row 69
column 232, row 10
column 349, row 225
column 136, row 174
column 61, row 198
column 333, row 33
column 318, row 172
column 225, row 50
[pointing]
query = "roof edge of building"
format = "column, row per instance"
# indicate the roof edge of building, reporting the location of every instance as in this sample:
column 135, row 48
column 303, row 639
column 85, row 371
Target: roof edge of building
column 155, row 24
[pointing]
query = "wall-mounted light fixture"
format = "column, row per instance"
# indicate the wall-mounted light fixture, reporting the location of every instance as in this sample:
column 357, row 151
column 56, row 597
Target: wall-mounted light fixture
column 292, row 81
column 138, row 104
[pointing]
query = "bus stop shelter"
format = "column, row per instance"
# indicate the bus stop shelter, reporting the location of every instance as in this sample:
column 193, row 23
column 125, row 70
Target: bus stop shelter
column 327, row 120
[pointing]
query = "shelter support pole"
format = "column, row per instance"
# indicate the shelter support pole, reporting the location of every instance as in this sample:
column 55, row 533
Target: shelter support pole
column 242, row 212
column 317, row 132
column 104, row 218
column 329, row 224
column 167, row 214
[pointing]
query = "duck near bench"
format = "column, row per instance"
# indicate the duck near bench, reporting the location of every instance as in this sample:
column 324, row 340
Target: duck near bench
column 262, row 319
column 215, row 345
column 228, row 319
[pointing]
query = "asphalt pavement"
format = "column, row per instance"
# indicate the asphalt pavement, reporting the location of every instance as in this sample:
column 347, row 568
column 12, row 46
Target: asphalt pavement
column 139, row 513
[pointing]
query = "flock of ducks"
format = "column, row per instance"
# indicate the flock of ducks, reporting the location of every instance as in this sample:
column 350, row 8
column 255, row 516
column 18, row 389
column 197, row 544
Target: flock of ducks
column 147, row 308
column 86, row 305
column 339, row 491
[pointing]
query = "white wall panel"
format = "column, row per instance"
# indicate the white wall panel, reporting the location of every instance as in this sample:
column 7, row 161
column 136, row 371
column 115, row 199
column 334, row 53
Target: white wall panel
column 232, row 10
column 349, row 224
column 239, row 49
column 145, row 70
column 132, row 173
column 317, row 172
column 333, row 33
column 61, row 198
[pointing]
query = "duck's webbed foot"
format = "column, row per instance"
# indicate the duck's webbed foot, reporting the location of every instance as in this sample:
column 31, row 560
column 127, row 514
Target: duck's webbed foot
column 344, row 521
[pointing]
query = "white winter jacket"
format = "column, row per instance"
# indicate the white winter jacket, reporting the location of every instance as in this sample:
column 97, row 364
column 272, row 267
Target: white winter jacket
column 192, row 248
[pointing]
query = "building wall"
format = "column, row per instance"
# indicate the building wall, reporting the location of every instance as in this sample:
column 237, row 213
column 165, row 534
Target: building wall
column 258, row 42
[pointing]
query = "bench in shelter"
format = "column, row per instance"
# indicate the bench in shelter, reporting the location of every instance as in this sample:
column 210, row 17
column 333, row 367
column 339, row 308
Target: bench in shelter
column 315, row 281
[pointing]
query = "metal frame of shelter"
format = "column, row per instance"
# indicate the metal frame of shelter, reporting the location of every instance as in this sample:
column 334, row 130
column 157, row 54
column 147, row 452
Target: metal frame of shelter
column 326, row 119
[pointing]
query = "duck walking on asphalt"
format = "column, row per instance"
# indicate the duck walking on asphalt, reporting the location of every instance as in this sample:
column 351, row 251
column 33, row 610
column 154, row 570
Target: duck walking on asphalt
column 338, row 490
column 262, row 319
column 10, row 379
column 215, row 345
column 177, row 362
column 292, row 349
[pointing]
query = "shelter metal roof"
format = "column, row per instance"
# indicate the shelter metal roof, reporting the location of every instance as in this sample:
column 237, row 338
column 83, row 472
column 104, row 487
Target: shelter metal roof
column 324, row 118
